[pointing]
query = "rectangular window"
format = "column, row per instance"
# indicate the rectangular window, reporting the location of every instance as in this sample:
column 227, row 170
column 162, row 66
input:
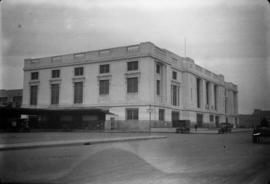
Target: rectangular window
column 55, row 94
column 34, row 76
column 174, row 75
column 78, row 71
column 132, row 114
column 158, row 87
column 133, row 65
column 207, row 93
column 211, row 118
column 55, row 73
column 132, row 85
column 3, row 100
column 161, row 114
column 175, row 95
column 78, row 92
column 215, row 97
column 104, row 87
column 104, row 68
column 33, row 95
column 198, row 93
column 157, row 68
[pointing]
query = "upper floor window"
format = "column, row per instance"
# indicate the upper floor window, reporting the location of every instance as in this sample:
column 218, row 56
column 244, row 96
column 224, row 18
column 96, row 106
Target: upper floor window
column 132, row 85
column 158, row 87
column 174, row 75
column 55, row 73
column 157, row 68
column 104, row 87
column 33, row 95
column 78, row 71
column 34, row 76
column 104, row 68
column 133, row 65
column 78, row 92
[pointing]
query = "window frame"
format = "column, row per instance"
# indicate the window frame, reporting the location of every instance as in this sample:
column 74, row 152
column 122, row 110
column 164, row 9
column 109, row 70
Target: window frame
column 161, row 114
column 78, row 71
column 133, row 66
column 104, row 87
column 104, row 68
column 34, row 75
column 55, row 90
column 78, row 93
column 174, row 75
column 33, row 94
column 134, row 114
column 132, row 86
column 55, row 73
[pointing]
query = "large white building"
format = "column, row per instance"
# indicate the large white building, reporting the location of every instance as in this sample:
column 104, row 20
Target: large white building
column 143, row 85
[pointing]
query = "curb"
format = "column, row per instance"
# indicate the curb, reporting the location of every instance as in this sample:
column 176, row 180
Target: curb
column 20, row 146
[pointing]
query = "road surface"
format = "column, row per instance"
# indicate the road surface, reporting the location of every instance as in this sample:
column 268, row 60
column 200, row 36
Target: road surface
column 200, row 158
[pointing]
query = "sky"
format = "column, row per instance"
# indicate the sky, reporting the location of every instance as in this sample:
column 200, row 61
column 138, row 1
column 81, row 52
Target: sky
column 229, row 37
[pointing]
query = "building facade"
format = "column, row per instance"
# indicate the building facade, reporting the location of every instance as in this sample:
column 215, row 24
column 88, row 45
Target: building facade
column 143, row 86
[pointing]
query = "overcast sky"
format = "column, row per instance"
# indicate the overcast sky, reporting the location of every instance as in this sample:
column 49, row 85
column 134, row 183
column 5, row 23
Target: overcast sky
column 231, row 37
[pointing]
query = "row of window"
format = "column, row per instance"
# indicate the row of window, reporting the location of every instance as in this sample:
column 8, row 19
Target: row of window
column 133, row 114
column 158, row 70
column 132, row 87
column 79, row 71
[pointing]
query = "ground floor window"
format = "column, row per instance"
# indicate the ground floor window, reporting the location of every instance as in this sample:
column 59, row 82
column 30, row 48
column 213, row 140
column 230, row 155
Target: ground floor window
column 132, row 114
column 161, row 114
column 211, row 118
column 175, row 115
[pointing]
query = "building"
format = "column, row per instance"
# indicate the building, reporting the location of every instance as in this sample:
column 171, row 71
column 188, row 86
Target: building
column 254, row 119
column 11, row 97
column 143, row 85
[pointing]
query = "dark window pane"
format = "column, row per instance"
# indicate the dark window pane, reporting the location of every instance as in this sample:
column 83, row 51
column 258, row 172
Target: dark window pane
column 161, row 113
column 55, row 94
column 104, row 68
column 78, row 71
column 104, row 87
column 158, row 87
column 157, row 68
column 174, row 75
column 33, row 95
column 55, row 73
column 133, row 65
column 132, row 85
column 132, row 114
column 34, row 75
column 78, row 92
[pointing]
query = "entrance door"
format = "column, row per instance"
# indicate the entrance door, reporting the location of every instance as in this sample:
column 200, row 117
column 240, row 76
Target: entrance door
column 200, row 120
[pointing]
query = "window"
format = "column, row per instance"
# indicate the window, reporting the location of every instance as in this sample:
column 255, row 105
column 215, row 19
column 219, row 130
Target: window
column 78, row 71
column 211, row 118
column 55, row 73
column 157, row 68
column 158, row 87
column 132, row 114
column 215, row 96
column 54, row 93
column 198, row 93
column 207, row 93
column 34, row 76
column 78, row 92
column 104, row 68
column 33, row 95
column 132, row 85
column 175, row 95
column 174, row 75
column 161, row 114
column 133, row 65
column 104, row 87
column 3, row 100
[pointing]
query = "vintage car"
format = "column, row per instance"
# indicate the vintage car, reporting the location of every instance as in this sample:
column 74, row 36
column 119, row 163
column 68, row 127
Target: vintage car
column 225, row 128
column 260, row 133
column 182, row 126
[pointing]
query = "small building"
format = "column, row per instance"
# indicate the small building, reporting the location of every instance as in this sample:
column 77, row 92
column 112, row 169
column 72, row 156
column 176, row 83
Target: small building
column 254, row 119
column 144, row 86
column 11, row 97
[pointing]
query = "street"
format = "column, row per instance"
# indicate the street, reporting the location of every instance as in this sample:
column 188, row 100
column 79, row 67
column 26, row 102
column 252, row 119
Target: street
column 180, row 158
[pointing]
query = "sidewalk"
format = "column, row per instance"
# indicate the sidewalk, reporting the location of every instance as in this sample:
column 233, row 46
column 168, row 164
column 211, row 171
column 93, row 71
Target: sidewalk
column 30, row 145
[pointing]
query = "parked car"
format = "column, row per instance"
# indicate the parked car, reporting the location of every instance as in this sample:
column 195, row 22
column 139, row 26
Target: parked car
column 225, row 128
column 261, row 132
column 183, row 126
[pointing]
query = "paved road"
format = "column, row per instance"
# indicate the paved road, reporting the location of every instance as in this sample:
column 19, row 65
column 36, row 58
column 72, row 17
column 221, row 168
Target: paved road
column 213, row 158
